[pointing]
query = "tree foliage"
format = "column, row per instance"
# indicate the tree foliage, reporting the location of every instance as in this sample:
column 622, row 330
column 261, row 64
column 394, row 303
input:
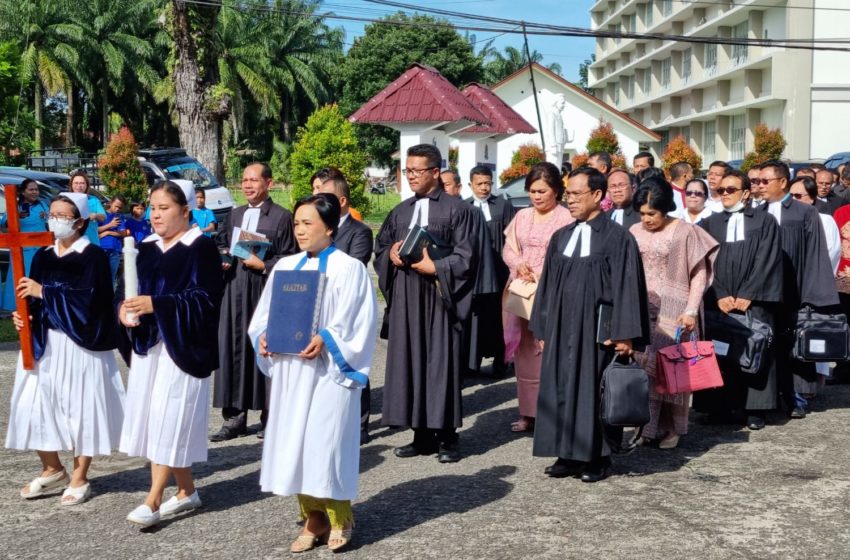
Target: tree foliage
column 677, row 150
column 769, row 144
column 603, row 139
column 119, row 167
column 384, row 52
column 522, row 161
column 328, row 140
column 500, row 66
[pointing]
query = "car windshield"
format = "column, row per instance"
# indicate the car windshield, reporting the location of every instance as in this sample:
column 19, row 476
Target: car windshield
column 192, row 171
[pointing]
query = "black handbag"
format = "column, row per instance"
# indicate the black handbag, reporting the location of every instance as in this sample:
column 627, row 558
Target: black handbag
column 740, row 341
column 625, row 395
column 821, row 337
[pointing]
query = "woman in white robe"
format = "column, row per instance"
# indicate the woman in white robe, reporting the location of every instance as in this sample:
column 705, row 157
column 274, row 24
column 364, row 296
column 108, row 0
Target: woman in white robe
column 171, row 346
column 73, row 399
column 312, row 443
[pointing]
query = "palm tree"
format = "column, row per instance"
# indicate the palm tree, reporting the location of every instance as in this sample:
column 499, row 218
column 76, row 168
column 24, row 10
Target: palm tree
column 50, row 56
column 503, row 65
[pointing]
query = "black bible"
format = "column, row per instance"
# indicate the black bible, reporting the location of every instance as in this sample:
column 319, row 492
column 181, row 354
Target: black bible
column 417, row 239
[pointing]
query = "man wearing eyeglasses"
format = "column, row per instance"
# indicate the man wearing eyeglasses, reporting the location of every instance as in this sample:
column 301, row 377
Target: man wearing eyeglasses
column 574, row 285
column 824, row 179
column 620, row 192
column 754, row 176
column 807, row 273
column 427, row 304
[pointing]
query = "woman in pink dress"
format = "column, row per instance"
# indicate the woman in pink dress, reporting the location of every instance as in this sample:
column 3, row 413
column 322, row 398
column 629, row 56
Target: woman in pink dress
column 527, row 238
column 677, row 260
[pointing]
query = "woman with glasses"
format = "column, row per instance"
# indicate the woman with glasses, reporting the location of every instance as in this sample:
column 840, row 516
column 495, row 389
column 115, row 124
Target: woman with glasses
column 696, row 194
column 747, row 279
column 805, row 190
column 526, row 242
column 73, row 399
column 677, row 260
column 32, row 216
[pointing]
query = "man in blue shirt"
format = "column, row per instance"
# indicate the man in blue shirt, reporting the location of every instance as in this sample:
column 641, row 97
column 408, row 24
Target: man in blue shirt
column 112, row 234
column 203, row 216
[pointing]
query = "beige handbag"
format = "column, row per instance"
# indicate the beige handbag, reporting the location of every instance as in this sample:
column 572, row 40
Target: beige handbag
column 520, row 298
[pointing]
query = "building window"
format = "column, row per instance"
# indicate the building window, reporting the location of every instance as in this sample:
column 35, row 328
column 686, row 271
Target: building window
column 710, row 60
column 665, row 139
column 737, row 135
column 739, row 52
column 647, row 82
column 686, row 65
column 629, row 24
column 666, row 66
column 666, row 7
column 709, row 132
column 616, row 97
column 647, row 14
column 630, row 87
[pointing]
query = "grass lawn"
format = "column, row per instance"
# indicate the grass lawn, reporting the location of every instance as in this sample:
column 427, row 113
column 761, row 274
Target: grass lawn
column 7, row 331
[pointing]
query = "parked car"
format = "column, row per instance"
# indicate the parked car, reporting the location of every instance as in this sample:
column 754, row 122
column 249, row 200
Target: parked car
column 515, row 193
column 795, row 166
column 833, row 161
column 55, row 182
column 160, row 164
column 46, row 194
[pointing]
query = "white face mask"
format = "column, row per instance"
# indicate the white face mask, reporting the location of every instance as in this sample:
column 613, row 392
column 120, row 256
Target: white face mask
column 62, row 229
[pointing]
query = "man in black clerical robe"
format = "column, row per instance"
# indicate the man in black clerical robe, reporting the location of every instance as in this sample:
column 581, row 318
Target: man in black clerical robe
column 807, row 274
column 239, row 385
column 590, row 262
column 747, row 279
column 484, row 333
column 354, row 238
column 427, row 304
column 620, row 190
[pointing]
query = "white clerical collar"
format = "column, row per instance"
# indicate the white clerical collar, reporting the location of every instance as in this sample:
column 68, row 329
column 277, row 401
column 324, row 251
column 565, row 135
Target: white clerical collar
column 343, row 218
column 186, row 239
column 583, row 231
column 775, row 208
column 79, row 245
column 617, row 215
column 420, row 212
column 484, row 206
column 735, row 225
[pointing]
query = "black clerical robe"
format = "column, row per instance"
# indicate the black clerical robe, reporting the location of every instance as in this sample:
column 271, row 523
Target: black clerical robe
column 76, row 298
column 354, row 238
column 807, row 280
column 565, row 316
column 484, row 334
column 426, row 313
column 630, row 215
column 239, row 384
column 185, row 285
column 830, row 204
column 751, row 269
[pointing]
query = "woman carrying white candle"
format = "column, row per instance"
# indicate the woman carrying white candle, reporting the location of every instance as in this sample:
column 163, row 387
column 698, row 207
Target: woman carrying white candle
column 73, row 400
column 171, row 348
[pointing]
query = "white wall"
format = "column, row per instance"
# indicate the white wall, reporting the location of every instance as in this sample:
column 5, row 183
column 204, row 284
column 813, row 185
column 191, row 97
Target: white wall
column 831, row 21
column 827, row 138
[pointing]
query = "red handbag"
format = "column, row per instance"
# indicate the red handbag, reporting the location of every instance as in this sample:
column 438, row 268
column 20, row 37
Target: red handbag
column 687, row 366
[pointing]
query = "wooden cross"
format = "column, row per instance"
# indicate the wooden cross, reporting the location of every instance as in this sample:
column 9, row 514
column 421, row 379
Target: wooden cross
column 15, row 241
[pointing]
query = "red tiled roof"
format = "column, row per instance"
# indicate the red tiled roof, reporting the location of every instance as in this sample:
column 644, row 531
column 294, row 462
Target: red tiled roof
column 578, row 90
column 504, row 119
column 421, row 94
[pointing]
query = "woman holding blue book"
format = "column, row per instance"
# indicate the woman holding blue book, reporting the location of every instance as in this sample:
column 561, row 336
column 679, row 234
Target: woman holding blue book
column 312, row 443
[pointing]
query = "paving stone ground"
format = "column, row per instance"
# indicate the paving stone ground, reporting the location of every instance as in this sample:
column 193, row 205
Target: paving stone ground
column 726, row 492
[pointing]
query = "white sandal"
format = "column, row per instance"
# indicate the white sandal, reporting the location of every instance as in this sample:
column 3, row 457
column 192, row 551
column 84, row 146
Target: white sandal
column 79, row 494
column 41, row 485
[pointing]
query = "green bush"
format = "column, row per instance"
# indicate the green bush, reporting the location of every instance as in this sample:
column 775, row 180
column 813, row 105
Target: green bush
column 280, row 161
column 328, row 140
column 119, row 167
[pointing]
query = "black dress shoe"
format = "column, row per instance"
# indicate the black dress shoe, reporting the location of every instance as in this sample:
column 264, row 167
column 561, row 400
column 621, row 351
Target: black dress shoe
column 755, row 422
column 448, row 453
column 412, row 450
column 798, row 412
column 563, row 468
column 364, row 437
column 261, row 434
column 594, row 475
column 227, row 433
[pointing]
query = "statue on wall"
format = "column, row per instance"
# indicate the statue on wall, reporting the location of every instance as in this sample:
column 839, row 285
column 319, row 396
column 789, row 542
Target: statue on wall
column 554, row 133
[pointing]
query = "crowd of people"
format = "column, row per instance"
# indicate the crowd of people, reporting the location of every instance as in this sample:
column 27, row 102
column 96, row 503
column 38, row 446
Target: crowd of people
column 527, row 288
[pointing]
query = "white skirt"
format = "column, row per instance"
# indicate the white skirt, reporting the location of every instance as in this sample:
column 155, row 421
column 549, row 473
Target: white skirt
column 167, row 411
column 72, row 401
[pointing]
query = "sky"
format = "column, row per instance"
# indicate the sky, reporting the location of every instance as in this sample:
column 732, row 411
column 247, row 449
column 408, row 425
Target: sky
column 569, row 52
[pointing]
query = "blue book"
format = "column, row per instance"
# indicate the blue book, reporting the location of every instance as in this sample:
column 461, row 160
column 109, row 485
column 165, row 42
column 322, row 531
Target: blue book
column 295, row 310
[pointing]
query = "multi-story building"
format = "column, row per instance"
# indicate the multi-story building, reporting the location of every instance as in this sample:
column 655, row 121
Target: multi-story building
column 716, row 94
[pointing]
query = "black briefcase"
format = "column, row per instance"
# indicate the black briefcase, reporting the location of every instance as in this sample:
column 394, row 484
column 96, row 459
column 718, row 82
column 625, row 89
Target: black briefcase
column 625, row 395
column 740, row 341
column 821, row 337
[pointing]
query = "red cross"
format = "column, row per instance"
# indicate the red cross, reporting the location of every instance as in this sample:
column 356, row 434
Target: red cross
column 15, row 241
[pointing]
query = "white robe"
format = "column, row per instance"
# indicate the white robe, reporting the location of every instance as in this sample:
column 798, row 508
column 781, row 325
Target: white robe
column 833, row 240
column 312, row 438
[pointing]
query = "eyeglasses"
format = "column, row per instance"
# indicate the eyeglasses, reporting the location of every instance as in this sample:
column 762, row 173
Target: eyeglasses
column 758, row 181
column 798, row 196
column 619, row 186
column 60, row 217
column 575, row 195
column 726, row 190
column 695, row 193
column 416, row 173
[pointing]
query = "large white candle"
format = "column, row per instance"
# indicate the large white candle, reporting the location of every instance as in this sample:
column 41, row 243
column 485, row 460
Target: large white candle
column 131, row 276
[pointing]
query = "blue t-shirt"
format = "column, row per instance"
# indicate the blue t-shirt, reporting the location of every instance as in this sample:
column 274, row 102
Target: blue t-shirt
column 139, row 229
column 203, row 217
column 95, row 207
column 110, row 242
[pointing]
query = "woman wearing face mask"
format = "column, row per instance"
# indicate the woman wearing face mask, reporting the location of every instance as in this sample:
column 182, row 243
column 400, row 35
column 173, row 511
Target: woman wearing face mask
column 171, row 345
column 312, row 443
column 73, row 400
column 747, row 278
column 677, row 260
column 32, row 216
